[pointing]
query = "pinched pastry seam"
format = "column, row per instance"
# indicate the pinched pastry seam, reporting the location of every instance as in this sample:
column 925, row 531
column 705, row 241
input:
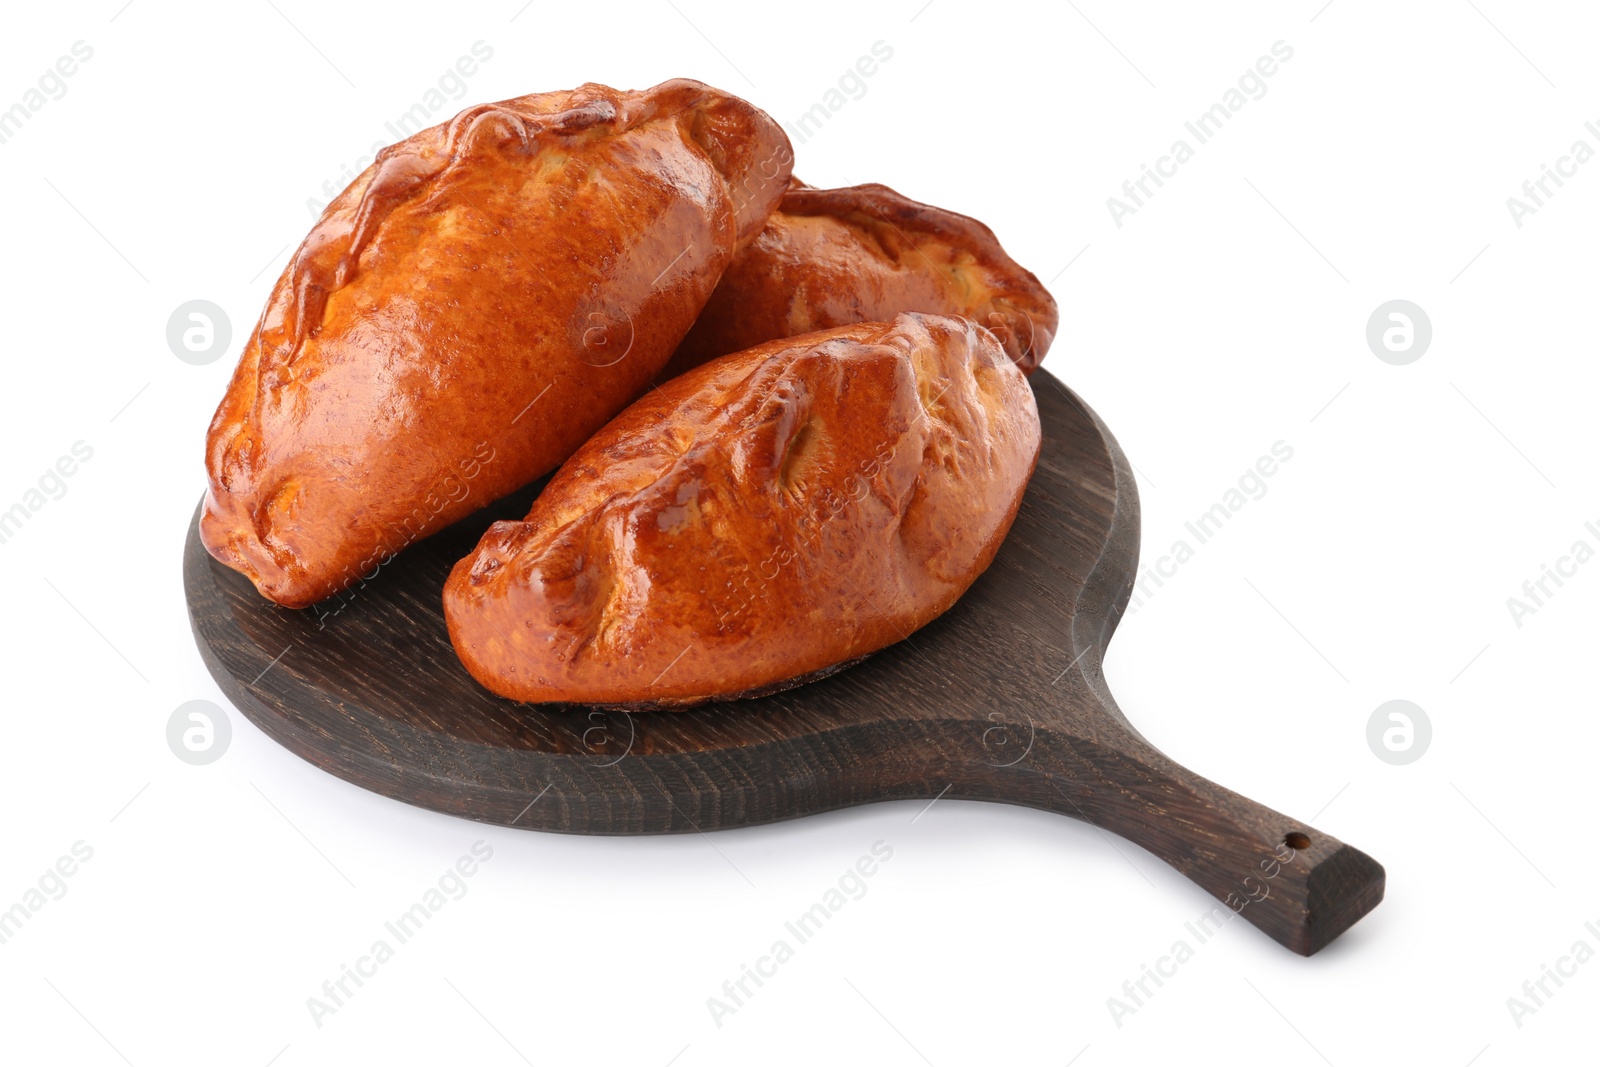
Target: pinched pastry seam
column 912, row 219
column 527, row 547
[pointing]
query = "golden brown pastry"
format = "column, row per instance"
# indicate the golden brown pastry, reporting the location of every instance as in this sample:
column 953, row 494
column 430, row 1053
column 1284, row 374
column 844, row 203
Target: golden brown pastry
column 477, row 303
column 829, row 257
column 766, row 518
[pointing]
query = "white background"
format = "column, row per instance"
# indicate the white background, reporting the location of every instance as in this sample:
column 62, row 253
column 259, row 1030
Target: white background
column 1225, row 315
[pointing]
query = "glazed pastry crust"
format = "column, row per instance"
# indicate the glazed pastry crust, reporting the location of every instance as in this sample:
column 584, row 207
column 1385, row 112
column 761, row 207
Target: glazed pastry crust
column 767, row 517
column 462, row 317
column 830, row 257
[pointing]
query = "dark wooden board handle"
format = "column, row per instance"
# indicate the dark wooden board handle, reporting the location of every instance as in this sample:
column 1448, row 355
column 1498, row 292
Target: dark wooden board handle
column 1300, row 886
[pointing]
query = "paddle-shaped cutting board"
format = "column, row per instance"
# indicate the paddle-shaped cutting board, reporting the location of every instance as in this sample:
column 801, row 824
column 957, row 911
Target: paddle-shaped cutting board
column 1001, row 699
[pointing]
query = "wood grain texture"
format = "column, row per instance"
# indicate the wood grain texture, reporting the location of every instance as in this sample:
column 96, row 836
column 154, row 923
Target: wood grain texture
column 1001, row 699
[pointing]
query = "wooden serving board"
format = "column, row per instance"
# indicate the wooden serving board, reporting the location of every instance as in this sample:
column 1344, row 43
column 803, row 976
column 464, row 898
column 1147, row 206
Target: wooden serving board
column 1001, row 699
